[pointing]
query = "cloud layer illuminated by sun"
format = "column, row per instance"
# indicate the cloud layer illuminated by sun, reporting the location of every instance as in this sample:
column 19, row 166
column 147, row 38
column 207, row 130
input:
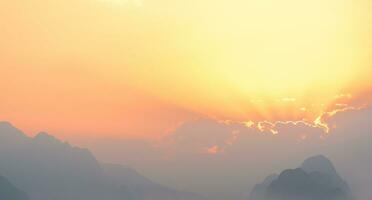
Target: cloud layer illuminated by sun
column 122, row 66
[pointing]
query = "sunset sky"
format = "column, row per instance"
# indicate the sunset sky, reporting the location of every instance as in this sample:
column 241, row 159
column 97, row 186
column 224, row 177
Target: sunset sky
column 204, row 96
column 141, row 68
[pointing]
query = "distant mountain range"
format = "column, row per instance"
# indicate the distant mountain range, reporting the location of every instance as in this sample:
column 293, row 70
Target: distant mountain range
column 316, row 179
column 47, row 169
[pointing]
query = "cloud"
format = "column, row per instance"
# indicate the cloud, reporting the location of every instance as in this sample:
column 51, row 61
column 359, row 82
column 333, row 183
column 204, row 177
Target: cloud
column 213, row 150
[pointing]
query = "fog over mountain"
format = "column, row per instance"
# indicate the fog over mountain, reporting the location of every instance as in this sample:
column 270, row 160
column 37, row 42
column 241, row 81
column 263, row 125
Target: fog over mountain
column 243, row 156
column 216, row 159
column 316, row 179
column 48, row 169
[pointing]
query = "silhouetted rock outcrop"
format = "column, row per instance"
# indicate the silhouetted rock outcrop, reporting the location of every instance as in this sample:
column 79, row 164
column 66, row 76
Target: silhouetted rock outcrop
column 317, row 179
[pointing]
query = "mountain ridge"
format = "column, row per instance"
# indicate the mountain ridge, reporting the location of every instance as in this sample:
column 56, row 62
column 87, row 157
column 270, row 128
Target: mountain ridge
column 47, row 168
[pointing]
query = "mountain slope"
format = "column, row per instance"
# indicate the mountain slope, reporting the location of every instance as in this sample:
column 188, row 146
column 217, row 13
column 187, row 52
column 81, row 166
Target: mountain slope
column 9, row 192
column 142, row 188
column 48, row 169
column 259, row 190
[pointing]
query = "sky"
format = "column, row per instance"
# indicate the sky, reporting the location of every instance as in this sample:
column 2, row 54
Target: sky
column 157, row 83
column 140, row 68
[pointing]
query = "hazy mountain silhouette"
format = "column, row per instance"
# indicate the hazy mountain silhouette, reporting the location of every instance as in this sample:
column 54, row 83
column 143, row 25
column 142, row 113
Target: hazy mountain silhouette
column 324, row 171
column 259, row 190
column 142, row 188
column 48, row 169
column 10, row 192
column 317, row 179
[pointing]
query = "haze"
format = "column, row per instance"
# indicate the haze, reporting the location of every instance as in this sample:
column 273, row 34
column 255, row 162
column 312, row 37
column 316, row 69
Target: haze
column 204, row 96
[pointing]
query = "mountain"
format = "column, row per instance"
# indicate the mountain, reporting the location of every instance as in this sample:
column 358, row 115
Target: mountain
column 323, row 168
column 8, row 191
column 316, row 179
column 48, row 169
column 259, row 190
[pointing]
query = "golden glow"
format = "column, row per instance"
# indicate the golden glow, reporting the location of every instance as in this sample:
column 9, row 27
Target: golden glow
column 123, row 65
column 264, row 58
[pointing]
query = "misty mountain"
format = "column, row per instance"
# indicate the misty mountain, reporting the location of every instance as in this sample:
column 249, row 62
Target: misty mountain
column 323, row 171
column 142, row 188
column 10, row 192
column 260, row 189
column 48, row 169
column 316, row 179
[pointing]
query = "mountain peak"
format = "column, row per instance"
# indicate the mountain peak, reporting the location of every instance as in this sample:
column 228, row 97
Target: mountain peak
column 318, row 163
column 8, row 131
column 5, row 124
column 315, row 179
column 44, row 137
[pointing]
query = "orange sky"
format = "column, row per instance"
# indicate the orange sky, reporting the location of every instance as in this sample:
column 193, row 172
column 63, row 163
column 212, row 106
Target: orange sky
column 139, row 68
